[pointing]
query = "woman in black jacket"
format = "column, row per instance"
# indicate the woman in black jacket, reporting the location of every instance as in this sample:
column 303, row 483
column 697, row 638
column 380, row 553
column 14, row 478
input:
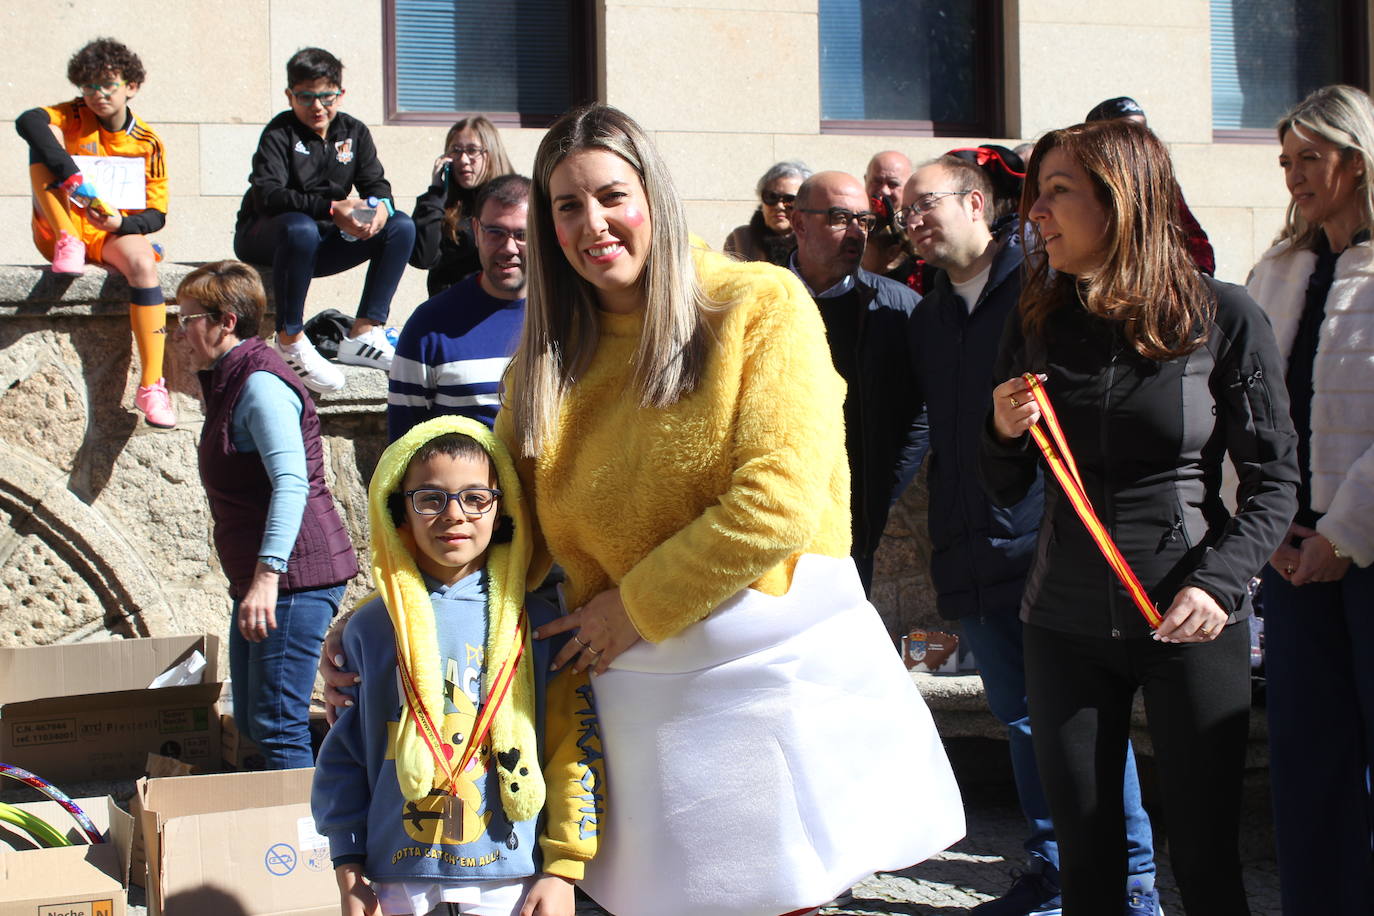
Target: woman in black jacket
column 1157, row 374
column 444, row 243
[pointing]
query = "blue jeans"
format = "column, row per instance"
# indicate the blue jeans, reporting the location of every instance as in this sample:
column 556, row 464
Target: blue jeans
column 1319, row 665
column 299, row 249
column 996, row 641
column 272, row 679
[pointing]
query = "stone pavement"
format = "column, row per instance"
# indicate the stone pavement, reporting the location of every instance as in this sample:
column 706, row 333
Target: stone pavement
column 977, row 868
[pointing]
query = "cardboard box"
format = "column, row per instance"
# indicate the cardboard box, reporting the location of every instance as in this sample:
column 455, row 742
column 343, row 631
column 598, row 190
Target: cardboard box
column 84, row 711
column 235, row 844
column 237, row 750
column 80, row 880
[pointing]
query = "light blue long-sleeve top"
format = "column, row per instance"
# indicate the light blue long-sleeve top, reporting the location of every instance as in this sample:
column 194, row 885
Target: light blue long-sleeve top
column 267, row 420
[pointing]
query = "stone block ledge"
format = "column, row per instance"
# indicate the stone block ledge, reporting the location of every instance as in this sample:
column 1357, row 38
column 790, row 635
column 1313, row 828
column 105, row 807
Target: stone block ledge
column 34, row 291
column 27, row 290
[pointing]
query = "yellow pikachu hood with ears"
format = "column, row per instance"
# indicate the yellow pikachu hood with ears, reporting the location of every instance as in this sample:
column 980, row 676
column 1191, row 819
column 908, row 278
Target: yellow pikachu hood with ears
column 402, row 588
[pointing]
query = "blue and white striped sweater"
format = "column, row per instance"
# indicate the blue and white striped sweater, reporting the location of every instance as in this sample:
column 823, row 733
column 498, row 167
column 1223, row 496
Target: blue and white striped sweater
column 450, row 357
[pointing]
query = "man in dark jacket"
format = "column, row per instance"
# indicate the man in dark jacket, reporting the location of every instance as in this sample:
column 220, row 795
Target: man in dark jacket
column 865, row 321
column 980, row 553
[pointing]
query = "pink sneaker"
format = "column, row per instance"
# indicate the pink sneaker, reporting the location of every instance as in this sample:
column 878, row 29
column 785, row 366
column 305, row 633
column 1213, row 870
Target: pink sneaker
column 156, row 405
column 69, row 255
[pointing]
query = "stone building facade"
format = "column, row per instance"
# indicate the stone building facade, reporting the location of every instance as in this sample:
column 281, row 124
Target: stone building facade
column 103, row 524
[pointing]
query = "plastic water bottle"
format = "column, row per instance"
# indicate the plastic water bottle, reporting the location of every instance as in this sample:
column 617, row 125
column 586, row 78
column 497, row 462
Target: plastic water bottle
column 362, row 213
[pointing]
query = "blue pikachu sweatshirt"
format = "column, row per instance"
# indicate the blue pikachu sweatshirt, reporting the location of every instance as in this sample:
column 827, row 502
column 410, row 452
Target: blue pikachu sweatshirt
column 357, row 802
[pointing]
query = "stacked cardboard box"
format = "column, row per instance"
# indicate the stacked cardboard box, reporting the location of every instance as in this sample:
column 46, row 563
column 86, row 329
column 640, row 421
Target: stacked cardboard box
column 77, row 880
column 235, row 843
column 84, row 711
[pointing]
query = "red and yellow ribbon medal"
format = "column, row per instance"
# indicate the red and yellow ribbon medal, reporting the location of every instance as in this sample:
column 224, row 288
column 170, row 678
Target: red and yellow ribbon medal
column 1060, row 459
column 455, row 812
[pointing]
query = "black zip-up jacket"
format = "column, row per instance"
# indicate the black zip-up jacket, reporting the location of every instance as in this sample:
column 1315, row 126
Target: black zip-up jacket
column 297, row 170
column 980, row 552
column 1149, row 438
column 448, row 261
column 889, row 437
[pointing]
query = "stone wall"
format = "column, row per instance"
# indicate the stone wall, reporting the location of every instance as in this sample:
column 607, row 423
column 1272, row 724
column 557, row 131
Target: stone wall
column 104, row 526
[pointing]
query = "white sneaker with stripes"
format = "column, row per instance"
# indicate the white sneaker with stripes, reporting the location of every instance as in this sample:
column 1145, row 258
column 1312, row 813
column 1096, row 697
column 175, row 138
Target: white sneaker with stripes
column 316, row 372
column 370, row 349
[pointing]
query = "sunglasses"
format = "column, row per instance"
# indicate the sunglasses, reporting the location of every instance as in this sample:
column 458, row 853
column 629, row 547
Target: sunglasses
column 838, row 218
column 771, row 199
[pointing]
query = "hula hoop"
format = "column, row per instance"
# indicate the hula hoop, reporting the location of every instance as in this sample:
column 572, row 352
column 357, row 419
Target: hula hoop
column 42, row 785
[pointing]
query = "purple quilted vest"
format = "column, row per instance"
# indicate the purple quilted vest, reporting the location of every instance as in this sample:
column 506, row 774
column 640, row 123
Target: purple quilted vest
column 239, row 489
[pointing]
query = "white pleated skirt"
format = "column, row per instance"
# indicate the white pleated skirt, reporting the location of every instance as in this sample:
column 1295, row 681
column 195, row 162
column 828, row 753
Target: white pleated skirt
column 767, row 758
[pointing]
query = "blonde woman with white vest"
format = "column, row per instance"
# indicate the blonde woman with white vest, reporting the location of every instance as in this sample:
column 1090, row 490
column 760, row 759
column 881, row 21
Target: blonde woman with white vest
column 1317, row 285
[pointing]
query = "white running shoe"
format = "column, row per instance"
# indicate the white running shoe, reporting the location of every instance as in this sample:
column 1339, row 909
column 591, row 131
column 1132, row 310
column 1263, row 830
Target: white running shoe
column 370, row 349
column 314, row 370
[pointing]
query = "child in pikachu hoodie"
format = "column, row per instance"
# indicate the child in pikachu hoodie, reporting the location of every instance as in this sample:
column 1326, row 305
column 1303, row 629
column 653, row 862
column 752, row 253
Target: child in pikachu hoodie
column 504, row 826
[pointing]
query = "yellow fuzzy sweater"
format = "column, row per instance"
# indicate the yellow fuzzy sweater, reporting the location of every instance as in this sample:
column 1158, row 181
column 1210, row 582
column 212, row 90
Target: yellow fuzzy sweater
column 684, row 506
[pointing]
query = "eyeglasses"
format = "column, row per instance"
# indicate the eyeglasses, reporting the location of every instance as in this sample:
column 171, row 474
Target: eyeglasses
column 770, row 199
column 472, row 152
column 928, row 203
column 497, row 235
column 472, row 501
column 106, row 89
column 840, row 218
column 308, row 99
column 185, row 319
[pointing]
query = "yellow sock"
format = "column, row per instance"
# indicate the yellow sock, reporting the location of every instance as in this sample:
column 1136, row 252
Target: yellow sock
column 149, row 323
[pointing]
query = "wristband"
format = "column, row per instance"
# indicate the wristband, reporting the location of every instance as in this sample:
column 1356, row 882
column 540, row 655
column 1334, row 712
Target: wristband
column 275, row 564
column 1336, row 550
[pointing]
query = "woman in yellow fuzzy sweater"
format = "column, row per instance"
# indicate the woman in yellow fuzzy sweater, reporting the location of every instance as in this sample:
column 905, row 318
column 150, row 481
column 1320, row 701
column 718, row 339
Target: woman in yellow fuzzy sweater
column 678, row 421
column 678, row 412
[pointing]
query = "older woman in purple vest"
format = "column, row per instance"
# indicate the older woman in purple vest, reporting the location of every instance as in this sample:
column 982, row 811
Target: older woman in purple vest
column 280, row 541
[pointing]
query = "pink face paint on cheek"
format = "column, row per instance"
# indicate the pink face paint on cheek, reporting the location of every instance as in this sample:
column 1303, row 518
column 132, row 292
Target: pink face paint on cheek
column 634, row 217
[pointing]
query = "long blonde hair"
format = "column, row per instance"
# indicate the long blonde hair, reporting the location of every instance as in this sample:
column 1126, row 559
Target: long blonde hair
column 560, row 333
column 1342, row 115
column 1147, row 281
column 496, row 164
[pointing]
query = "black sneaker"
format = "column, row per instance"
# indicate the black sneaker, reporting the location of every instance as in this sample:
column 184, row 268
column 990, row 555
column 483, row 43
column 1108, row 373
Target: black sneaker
column 1030, row 894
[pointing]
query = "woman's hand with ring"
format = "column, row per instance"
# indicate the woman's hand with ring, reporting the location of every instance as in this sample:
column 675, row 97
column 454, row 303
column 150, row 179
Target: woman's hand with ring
column 1014, row 409
column 258, row 609
column 601, row 630
column 1194, row 616
column 1317, row 560
column 1286, row 557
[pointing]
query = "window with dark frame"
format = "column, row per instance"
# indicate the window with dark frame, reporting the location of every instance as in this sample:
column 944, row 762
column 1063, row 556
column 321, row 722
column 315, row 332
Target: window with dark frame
column 920, row 67
column 1268, row 54
column 519, row 62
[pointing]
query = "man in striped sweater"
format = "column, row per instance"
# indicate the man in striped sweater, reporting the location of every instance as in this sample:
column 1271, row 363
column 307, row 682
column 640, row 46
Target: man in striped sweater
column 455, row 347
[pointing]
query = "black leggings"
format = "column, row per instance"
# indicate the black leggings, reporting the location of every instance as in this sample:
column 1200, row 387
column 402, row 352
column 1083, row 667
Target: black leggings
column 1197, row 699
